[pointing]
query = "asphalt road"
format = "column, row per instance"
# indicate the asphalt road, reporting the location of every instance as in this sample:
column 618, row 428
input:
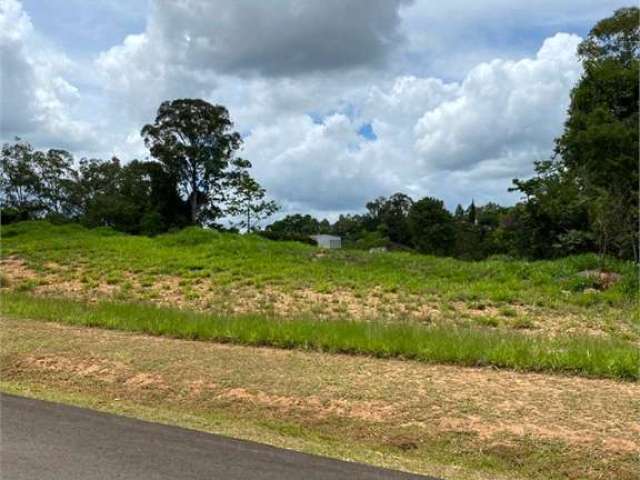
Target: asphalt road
column 44, row 440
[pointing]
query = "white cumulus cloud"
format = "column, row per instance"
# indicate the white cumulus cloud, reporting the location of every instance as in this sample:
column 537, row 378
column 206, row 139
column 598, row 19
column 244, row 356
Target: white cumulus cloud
column 36, row 98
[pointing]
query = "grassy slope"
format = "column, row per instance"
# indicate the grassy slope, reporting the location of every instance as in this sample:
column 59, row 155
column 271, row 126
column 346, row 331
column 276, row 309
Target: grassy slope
column 240, row 260
column 232, row 262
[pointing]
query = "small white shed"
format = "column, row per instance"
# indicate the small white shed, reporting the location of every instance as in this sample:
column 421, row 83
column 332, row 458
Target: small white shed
column 327, row 241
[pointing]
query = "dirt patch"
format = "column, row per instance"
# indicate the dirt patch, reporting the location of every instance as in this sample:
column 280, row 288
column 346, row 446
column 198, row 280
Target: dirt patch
column 98, row 369
column 602, row 280
column 369, row 411
column 56, row 280
column 16, row 270
column 338, row 303
column 146, row 380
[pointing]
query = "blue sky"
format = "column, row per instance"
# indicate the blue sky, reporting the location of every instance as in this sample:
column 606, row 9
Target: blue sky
column 338, row 101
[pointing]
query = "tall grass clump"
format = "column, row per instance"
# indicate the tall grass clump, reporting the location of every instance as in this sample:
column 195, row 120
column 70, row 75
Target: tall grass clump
column 581, row 355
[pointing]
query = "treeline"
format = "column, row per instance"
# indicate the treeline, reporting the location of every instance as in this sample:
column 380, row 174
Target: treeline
column 195, row 179
column 426, row 226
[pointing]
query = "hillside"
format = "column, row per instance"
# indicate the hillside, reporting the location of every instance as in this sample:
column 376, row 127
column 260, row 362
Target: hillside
column 232, row 274
column 419, row 332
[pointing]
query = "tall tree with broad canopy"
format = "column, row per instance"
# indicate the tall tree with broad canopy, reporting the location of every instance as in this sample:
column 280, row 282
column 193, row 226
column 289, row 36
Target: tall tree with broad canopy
column 18, row 181
column 196, row 142
column 297, row 224
column 389, row 216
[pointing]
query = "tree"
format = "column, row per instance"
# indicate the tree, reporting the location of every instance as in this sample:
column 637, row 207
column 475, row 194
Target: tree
column 589, row 190
column 389, row 217
column 351, row 227
column 18, row 182
column 555, row 215
column 471, row 213
column 431, row 226
column 33, row 183
column 394, row 218
column 54, row 170
column 138, row 198
column 195, row 141
column 598, row 150
column 247, row 197
column 98, row 199
column 296, row 226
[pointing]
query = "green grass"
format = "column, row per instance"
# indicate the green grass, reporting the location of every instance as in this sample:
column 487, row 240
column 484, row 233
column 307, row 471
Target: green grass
column 249, row 260
column 582, row 355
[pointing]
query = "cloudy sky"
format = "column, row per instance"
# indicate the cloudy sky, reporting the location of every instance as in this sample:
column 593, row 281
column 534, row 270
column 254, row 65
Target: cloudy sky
column 338, row 101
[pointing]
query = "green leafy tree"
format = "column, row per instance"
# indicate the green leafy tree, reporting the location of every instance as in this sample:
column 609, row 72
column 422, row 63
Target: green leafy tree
column 554, row 216
column 247, row 198
column 394, row 218
column 33, row 183
column 589, row 191
column 296, row 225
column 137, row 198
column 432, row 227
column 18, row 182
column 599, row 147
column 98, row 197
column 55, row 173
column 389, row 217
column 196, row 142
column 471, row 213
column 468, row 240
column 352, row 227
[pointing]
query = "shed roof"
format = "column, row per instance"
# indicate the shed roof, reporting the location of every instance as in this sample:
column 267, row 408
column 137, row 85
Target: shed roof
column 325, row 237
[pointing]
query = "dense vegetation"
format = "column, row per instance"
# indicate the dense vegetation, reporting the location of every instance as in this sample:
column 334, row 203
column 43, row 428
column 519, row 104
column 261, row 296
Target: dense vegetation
column 226, row 275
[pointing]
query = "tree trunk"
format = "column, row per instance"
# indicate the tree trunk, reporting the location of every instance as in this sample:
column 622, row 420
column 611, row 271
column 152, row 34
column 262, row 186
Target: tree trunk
column 194, row 207
column 194, row 196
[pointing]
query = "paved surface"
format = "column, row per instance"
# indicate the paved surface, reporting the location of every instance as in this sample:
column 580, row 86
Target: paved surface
column 43, row 440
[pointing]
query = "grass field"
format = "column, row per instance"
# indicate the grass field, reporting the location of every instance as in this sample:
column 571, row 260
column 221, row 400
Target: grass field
column 415, row 328
column 231, row 274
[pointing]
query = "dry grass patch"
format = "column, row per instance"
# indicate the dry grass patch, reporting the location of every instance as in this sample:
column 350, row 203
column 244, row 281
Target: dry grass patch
column 404, row 414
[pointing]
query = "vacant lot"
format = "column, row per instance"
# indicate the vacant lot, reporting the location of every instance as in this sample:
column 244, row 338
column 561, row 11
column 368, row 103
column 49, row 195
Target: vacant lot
column 232, row 274
column 577, row 328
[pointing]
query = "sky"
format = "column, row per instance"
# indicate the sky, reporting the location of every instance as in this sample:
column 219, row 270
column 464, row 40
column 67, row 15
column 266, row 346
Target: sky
column 338, row 101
